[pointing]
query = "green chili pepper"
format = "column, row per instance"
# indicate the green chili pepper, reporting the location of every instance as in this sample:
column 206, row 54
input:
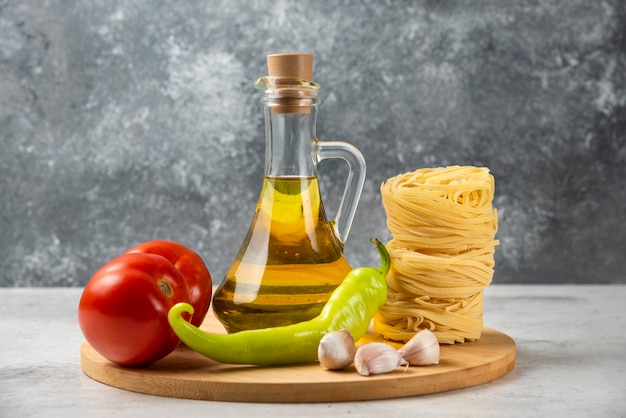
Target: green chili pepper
column 352, row 306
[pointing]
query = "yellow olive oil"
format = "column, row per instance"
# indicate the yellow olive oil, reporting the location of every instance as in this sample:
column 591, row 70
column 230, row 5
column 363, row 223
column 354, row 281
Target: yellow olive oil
column 289, row 263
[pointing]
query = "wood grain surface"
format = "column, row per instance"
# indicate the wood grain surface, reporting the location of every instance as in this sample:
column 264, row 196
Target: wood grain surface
column 187, row 374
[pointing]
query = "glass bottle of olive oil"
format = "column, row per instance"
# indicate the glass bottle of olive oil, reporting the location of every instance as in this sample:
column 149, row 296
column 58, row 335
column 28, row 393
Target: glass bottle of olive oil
column 292, row 256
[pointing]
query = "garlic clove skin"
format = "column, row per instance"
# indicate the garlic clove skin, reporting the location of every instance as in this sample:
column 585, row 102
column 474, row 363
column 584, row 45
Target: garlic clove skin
column 336, row 350
column 377, row 358
column 421, row 350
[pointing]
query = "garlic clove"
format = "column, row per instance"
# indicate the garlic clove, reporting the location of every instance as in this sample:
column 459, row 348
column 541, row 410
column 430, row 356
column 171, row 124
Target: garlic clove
column 336, row 350
column 421, row 350
column 377, row 358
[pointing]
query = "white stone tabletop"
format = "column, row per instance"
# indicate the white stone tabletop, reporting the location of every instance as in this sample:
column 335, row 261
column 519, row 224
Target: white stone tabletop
column 571, row 361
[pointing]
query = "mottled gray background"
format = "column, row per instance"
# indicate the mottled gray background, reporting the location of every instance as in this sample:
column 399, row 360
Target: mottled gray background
column 122, row 122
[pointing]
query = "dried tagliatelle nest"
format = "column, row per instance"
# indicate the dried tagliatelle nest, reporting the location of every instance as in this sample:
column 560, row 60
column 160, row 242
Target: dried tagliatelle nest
column 443, row 230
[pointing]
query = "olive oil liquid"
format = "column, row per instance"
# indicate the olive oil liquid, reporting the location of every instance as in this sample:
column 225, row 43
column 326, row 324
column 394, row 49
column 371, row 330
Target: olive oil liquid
column 289, row 263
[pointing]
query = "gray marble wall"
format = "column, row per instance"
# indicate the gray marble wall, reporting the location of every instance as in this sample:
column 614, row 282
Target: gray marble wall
column 122, row 122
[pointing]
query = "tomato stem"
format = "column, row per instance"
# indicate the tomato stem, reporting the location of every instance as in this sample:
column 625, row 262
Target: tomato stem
column 166, row 288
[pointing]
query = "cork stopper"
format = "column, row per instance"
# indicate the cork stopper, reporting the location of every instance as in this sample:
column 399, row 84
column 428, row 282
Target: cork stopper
column 290, row 72
column 293, row 65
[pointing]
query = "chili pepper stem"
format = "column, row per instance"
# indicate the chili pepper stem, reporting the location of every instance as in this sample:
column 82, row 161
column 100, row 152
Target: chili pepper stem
column 384, row 255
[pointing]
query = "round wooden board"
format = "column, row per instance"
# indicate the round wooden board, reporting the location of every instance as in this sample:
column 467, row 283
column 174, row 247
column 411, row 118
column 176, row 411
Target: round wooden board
column 187, row 374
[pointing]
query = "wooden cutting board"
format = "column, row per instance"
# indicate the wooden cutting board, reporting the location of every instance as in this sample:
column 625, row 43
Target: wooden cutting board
column 187, row 374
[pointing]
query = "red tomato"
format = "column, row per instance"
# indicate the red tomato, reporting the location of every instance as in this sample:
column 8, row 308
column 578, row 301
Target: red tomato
column 123, row 309
column 190, row 264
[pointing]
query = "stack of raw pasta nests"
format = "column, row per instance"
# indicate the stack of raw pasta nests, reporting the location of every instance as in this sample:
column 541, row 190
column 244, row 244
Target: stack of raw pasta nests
column 443, row 230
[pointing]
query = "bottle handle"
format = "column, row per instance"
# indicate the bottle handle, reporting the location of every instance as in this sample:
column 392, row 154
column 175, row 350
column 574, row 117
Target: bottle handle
column 354, row 184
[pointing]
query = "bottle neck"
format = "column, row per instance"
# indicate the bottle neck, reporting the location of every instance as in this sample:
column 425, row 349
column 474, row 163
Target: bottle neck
column 290, row 143
column 290, row 115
